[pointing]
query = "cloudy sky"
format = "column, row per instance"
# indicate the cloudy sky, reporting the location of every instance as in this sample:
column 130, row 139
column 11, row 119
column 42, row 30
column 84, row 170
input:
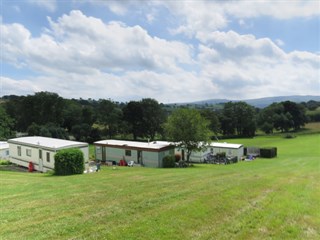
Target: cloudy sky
column 172, row 51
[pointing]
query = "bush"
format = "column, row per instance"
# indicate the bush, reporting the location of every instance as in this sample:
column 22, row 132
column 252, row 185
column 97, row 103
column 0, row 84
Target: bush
column 268, row 152
column 5, row 162
column 169, row 161
column 288, row 135
column 68, row 162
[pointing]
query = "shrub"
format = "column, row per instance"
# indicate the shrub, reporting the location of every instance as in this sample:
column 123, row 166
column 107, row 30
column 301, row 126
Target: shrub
column 5, row 162
column 288, row 135
column 268, row 152
column 169, row 161
column 68, row 162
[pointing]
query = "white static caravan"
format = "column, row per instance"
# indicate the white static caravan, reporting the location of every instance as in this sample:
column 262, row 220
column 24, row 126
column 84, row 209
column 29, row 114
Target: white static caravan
column 231, row 150
column 40, row 151
column 143, row 153
column 4, row 150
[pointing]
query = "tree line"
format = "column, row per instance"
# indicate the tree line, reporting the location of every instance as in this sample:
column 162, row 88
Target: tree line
column 48, row 114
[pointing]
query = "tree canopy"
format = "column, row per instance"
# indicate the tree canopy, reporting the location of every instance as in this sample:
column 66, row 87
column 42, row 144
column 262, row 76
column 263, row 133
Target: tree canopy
column 188, row 129
column 48, row 114
column 238, row 118
column 6, row 125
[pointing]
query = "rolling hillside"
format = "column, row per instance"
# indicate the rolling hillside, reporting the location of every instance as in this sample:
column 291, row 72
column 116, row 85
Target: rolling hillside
column 258, row 102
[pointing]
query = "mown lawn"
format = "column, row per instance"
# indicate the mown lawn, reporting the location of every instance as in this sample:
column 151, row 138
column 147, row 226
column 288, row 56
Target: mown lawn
column 264, row 199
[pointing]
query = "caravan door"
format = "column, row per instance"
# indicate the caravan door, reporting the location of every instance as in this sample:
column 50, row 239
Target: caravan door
column 40, row 165
column 139, row 157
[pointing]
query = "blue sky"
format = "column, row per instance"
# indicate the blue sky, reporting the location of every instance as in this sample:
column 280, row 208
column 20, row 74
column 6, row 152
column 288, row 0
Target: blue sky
column 173, row 51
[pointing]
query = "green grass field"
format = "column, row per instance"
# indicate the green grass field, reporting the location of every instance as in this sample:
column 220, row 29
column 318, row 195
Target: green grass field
column 263, row 199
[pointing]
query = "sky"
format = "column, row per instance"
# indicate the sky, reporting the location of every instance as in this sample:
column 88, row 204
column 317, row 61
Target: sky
column 171, row 51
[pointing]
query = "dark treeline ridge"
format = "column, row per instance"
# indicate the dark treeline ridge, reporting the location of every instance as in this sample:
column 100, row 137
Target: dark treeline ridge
column 48, row 114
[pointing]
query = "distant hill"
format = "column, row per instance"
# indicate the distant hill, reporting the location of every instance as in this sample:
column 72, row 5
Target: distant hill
column 259, row 102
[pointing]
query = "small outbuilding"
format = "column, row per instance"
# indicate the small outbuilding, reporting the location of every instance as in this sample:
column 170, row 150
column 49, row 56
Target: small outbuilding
column 40, row 151
column 231, row 150
column 4, row 150
column 148, row 154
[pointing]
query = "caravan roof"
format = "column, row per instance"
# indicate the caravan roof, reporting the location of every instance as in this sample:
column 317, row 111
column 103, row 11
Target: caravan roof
column 156, row 145
column 52, row 143
column 4, row 145
column 226, row 145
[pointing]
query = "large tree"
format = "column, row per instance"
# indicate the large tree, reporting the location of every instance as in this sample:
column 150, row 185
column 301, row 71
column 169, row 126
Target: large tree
column 282, row 117
column 298, row 113
column 6, row 125
column 238, row 118
column 153, row 117
column 188, row 129
column 109, row 115
column 212, row 117
column 40, row 108
column 133, row 116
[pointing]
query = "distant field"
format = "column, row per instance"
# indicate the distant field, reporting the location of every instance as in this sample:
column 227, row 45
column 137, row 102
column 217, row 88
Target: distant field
column 264, row 199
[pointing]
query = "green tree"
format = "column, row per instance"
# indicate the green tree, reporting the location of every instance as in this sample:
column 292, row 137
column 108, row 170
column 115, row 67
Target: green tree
column 188, row 129
column 238, row 118
column 297, row 112
column 153, row 117
column 109, row 115
column 81, row 132
column 41, row 108
column 282, row 117
column 212, row 117
column 47, row 130
column 6, row 125
column 45, row 107
column 133, row 116
column 71, row 114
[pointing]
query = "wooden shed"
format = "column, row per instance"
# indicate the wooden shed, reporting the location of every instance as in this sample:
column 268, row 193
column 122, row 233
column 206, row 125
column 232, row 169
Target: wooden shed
column 41, row 150
column 148, row 154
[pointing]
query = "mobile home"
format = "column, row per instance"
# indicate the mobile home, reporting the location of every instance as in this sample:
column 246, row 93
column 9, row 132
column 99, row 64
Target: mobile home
column 4, row 150
column 148, row 154
column 231, row 150
column 40, row 151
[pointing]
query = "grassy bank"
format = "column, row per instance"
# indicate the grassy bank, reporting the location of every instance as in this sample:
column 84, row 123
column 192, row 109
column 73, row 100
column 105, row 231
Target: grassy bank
column 264, row 199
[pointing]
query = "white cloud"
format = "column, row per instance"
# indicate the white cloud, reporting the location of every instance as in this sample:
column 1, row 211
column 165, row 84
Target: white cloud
column 204, row 16
column 234, row 46
column 247, row 66
column 245, row 24
column 197, row 16
column 279, row 42
column 82, row 56
column 49, row 5
column 82, row 44
column 281, row 9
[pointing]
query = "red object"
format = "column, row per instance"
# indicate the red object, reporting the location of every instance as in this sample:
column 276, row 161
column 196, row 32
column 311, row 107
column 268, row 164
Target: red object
column 122, row 163
column 31, row 167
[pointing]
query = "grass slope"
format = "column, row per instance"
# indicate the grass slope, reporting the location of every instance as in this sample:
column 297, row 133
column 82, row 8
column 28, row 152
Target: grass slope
column 264, row 199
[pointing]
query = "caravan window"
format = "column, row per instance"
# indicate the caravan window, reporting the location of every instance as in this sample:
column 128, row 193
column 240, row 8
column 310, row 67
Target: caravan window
column 128, row 153
column 48, row 157
column 19, row 150
column 98, row 150
column 28, row 152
